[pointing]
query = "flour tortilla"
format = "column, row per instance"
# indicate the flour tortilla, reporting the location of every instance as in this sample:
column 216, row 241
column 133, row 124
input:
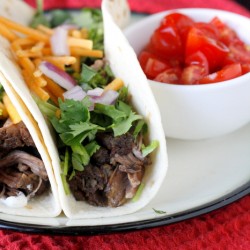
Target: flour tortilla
column 47, row 204
column 17, row 11
column 124, row 64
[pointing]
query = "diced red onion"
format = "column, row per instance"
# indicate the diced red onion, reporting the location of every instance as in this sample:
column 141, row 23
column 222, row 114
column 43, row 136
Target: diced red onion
column 76, row 93
column 57, row 75
column 108, row 97
column 59, row 42
column 95, row 92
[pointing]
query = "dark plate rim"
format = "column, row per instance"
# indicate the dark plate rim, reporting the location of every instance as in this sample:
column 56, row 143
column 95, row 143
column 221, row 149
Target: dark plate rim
column 130, row 226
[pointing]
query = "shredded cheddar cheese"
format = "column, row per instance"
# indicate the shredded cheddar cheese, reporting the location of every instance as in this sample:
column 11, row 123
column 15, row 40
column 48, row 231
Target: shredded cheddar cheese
column 13, row 114
column 32, row 46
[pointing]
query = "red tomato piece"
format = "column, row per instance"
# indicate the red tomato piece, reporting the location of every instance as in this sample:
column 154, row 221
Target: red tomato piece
column 166, row 42
column 153, row 67
column 171, row 75
column 227, row 73
column 182, row 22
column 143, row 58
column 214, row 50
column 245, row 68
column 208, row 29
column 226, row 34
column 239, row 52
column 192, row 74
column 198, row 58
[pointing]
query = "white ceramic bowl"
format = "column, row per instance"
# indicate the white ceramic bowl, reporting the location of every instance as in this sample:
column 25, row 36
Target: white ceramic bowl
column 198, row 111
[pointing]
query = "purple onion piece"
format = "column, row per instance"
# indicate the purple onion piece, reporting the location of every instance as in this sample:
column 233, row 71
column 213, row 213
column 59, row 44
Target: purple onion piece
column 76, row 93
column 95, row 92
column 57, row 75
column 107, row 98
column 59, row 43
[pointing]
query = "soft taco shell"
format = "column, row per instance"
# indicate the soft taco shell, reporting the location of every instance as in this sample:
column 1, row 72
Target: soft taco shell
column 47, row 204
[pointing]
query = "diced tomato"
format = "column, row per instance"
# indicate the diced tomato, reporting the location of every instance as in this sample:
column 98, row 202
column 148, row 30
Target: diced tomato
column 214, row 50
column 245, row 68
column 166, row 42
column 182, row 22
column 182, row 51
column 227, row 35
column 239, row 52
column 151, row 65
column 208, row 29
column 143, row 58
column 171, row 75
column 192, row 74
column 198, row 58
column 154, row 67
column 227, row 73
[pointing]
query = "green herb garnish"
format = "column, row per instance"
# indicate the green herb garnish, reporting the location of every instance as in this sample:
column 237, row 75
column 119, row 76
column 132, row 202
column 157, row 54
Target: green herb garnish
column 146, row 150
column 138, row 192
column 39, row 17
column 159, row 211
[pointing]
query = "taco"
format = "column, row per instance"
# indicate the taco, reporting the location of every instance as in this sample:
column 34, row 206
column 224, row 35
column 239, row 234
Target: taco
column 27, row 182
column 97, row 115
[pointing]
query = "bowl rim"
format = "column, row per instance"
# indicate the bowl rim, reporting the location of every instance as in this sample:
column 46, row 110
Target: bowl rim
column 158, row 15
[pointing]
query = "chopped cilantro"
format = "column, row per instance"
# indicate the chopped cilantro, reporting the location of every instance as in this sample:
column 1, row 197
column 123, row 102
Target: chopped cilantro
column 65, row 184
column 59, row 17
column 150, row 148
column 1, row 92
column 39, row 17
column 92, row 20
column 159, row 211
column 138, row 192
column 140, row 127
column 92, row 148
column 95, row 78
column 66, row 162
column 124, row 125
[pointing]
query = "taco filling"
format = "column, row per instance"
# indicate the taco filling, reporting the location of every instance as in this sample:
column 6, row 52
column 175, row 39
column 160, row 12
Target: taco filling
column 100, row 137
column 22, row 172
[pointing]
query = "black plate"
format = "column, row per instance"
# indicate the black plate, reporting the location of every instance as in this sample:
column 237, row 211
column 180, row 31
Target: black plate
column 132, row 226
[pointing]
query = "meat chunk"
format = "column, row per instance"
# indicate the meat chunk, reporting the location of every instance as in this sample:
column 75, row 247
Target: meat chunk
column 101, row 157
column 114, row 174
column 121, row 145
column 14, row 136
column 20, row 171
column 116, row 188
column 89, row 184
column 20, row 157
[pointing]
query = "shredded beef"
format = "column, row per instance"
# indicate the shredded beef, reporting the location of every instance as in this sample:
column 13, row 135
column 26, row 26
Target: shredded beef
column 14, row 136
column 121, row 145
column 101, row 157
column 20, row 157
column 113, row 175
column 20, row 171
column 87, row 184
